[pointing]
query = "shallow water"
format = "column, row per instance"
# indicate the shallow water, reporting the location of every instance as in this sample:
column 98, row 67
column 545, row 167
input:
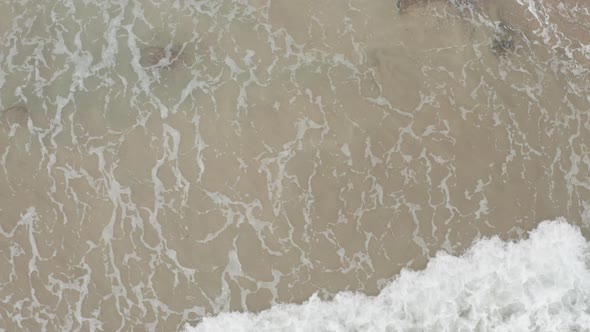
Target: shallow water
column 163, row 161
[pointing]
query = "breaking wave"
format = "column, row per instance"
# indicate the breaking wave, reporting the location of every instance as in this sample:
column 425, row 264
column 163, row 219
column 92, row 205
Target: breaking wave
column 541, row 283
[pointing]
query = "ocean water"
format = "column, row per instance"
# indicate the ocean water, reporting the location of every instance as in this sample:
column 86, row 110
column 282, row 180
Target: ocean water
column 166, row 161
column 541, row 283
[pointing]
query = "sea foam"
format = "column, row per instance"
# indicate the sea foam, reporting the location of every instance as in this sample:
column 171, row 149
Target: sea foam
column 541, row 283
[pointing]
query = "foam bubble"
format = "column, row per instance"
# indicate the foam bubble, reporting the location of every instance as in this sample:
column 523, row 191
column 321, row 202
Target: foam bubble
column 537, row 284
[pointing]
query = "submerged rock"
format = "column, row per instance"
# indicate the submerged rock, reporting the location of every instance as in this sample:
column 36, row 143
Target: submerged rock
column 160, row 57
column 403, row 5
column 501, row 47
column 503, row 42
column 15, row 115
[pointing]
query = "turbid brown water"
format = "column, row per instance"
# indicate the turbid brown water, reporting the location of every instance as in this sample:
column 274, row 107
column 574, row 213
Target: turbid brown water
column 191, row 157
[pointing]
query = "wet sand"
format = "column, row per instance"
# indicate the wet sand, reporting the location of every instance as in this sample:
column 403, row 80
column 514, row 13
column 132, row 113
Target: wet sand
column 162, row 161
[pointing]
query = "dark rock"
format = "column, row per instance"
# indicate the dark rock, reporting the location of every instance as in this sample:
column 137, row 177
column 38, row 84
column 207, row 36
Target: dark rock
column 403, row 5
column 160, row 57
column 503, row 42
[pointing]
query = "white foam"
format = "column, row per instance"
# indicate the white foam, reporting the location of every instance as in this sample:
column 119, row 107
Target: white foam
column 538, row 284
